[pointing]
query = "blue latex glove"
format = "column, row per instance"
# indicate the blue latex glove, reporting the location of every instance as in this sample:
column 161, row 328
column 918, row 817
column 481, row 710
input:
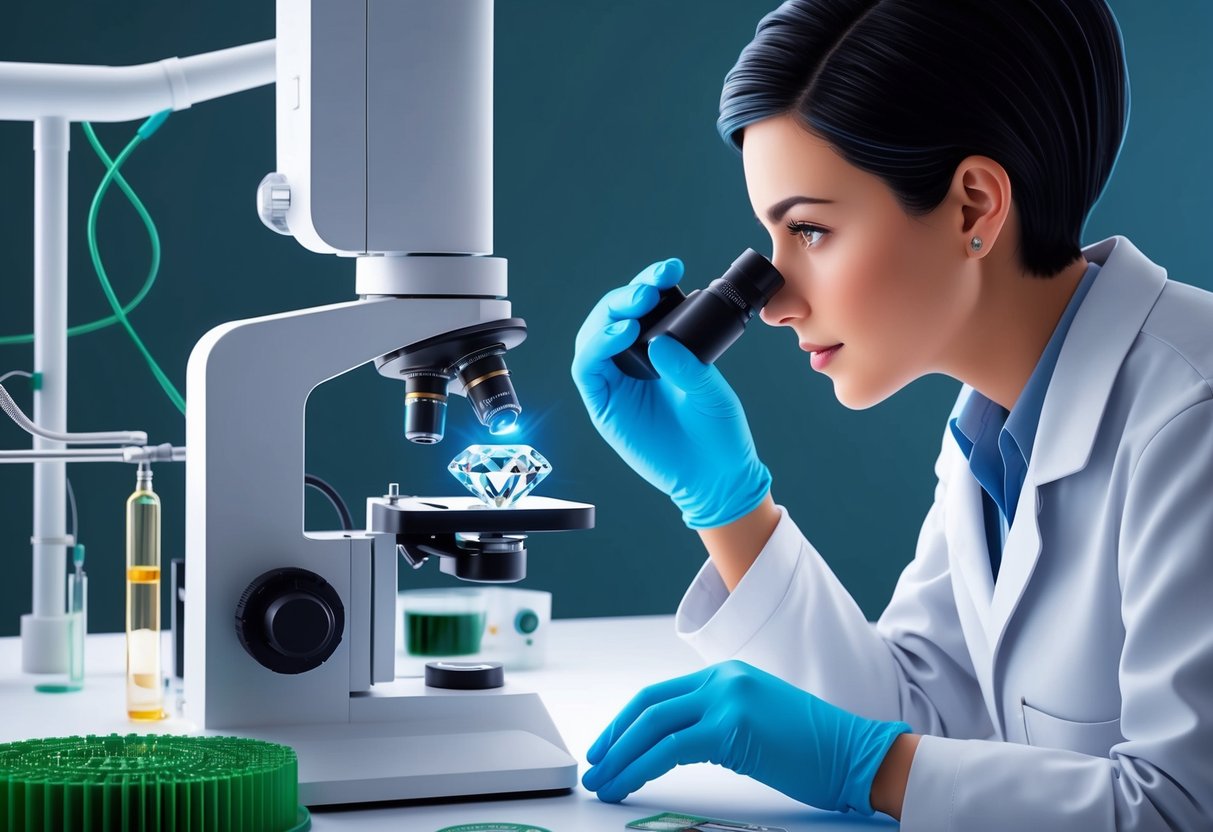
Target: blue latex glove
column 684, row 432
column 749, row 721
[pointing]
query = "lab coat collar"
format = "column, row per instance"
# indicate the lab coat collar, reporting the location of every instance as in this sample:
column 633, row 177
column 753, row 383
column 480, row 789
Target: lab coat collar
column 1103, row 331
column 1105, row 327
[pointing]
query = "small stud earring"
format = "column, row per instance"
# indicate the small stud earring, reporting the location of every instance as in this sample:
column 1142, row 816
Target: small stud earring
column 975, row 244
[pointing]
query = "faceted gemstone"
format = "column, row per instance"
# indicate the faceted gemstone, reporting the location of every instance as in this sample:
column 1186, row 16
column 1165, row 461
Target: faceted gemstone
column 500, row 475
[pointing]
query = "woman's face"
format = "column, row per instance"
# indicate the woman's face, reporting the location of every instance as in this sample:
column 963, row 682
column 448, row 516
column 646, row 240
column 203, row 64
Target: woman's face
column 892, row 289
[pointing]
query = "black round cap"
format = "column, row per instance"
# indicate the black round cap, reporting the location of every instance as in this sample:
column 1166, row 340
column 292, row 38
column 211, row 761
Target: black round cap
column 464, row 675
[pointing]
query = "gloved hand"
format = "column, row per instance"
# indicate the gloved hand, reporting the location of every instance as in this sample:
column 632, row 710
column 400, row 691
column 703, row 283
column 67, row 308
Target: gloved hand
column 684, row 432
column 749, row 721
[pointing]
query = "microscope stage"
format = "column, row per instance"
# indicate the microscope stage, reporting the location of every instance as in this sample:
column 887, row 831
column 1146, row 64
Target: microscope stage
column 455, row 515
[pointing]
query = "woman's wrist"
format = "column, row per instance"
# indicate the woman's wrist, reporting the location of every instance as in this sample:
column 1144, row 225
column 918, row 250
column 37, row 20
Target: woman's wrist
column 889, row 785
column 735, row 546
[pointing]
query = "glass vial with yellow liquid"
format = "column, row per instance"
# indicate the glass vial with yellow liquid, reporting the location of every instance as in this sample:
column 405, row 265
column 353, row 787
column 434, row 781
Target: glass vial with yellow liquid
column 144, row 687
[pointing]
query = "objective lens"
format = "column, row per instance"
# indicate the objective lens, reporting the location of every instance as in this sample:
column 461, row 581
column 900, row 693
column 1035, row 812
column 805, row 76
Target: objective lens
column 504, row 422
column 425, row 406
column 486, row 380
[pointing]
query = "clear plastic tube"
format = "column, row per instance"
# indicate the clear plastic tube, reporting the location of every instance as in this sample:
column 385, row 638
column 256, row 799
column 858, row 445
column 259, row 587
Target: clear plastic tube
column 144, row 685
column 77, row 625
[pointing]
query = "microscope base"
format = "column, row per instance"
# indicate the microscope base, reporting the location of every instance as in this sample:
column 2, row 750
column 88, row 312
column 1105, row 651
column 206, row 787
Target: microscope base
column 450, row 744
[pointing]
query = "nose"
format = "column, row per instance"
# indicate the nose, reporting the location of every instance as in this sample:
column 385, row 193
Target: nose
column 787, row 306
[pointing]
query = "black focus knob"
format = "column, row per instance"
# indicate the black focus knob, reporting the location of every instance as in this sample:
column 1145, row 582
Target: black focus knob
column 290, row 620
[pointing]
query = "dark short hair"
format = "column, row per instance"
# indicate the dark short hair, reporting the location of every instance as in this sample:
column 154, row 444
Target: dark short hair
column 906, row 89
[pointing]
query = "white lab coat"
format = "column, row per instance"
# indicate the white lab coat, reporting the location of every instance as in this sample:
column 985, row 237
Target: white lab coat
column 1076, row 693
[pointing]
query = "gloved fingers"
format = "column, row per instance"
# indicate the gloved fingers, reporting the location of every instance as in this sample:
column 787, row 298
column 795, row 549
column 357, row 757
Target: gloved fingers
column 642, row 701
column 658, row 721
column 634, row 300
column 679, row 366
column 612, row 338
column 593, row 370
column 631, row 301
column 692, row 745
column 663, row 274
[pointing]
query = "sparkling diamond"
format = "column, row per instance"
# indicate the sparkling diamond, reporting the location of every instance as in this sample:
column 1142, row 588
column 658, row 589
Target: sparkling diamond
column 500, row 475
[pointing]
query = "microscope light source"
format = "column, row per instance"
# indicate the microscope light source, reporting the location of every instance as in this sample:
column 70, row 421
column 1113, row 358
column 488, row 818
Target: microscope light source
column 504, row 423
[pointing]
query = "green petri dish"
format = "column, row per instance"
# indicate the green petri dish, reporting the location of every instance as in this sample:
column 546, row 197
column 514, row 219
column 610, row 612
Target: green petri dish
column 139, row 783
column 443, row 633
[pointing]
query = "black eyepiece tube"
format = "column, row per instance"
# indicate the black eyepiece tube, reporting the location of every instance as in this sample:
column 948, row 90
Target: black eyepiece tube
column 707, row 321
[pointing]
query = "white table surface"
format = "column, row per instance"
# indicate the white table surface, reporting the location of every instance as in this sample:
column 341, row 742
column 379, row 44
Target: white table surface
column 594, row 666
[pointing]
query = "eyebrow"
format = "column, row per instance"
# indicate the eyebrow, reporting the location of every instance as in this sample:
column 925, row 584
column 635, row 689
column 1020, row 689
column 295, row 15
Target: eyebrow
column 777, row 211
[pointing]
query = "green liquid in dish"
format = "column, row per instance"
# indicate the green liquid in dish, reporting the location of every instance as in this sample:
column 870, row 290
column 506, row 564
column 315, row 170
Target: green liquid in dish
column 443, row 634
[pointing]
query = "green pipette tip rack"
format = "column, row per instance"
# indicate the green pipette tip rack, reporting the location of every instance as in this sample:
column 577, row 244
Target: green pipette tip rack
column 138, row 783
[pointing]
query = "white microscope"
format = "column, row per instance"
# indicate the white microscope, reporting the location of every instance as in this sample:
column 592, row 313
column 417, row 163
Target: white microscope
column 385, row 154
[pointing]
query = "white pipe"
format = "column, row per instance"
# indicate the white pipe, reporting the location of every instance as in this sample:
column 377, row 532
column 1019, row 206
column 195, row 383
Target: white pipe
column 29, row 92
column 108, row 437
column 44, row 455
column 148, row 453
column 51, row 145
column 216, row 74
column 44, row 631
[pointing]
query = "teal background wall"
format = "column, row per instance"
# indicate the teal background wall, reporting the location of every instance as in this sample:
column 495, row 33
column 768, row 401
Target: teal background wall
column 606, row 159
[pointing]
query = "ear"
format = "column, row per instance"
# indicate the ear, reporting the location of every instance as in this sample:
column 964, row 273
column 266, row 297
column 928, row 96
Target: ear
column 982, row 189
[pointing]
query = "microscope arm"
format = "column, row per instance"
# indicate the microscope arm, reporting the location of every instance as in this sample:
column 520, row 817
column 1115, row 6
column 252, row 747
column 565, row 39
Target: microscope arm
column 255, row 376
column 247, row 387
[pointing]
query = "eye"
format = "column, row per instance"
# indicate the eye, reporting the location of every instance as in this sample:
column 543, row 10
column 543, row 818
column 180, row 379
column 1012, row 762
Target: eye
column 805, row 231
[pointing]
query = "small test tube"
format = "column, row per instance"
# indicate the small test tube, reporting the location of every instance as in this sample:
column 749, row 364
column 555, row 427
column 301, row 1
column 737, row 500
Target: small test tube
column 77, row 611
column 144, row 681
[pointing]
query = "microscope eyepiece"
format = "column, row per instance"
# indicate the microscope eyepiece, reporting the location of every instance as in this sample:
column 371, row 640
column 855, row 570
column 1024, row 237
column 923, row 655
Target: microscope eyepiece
column 425, row 406
column 486, row 381
column 707, row 321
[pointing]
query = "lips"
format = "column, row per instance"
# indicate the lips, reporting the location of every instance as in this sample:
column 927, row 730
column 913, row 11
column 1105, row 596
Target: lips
column 807, row 347
column 821, row 358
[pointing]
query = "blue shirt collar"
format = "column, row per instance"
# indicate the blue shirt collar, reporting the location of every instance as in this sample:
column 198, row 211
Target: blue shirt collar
column 1024, row 418
column 998, row 445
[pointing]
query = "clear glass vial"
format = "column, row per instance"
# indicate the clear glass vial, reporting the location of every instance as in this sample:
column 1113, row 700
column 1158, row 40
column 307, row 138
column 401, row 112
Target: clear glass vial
column 77, row 624
column 144, row 686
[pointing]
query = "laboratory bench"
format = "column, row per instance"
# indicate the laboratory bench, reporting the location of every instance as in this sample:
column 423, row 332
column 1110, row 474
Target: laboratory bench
column 594, row 665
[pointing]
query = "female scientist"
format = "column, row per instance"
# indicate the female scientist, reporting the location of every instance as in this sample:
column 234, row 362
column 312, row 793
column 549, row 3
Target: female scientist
column 1046, row 660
